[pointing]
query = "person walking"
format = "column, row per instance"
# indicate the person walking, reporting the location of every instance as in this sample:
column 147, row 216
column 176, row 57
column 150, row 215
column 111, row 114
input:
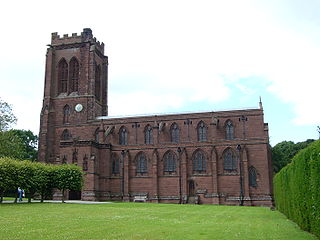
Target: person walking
column 20, row 193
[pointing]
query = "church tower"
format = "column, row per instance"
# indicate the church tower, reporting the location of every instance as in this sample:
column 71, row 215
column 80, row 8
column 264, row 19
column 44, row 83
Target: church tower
column 75, row 90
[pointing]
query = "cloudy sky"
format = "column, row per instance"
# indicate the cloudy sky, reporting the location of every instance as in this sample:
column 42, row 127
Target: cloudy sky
column 177, row 56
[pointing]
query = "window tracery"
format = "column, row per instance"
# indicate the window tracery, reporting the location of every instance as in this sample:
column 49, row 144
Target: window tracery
column 202, row 132
column 148, row 135
column 175, row 133
column 199, row 161
column 230, row 160
column 170, row 162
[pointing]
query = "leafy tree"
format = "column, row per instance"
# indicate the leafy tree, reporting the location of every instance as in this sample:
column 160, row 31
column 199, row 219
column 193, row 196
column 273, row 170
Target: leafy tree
column 30, row 142
column 68, row 177
column 7, row 118
column 11, row 146
column 283, row 152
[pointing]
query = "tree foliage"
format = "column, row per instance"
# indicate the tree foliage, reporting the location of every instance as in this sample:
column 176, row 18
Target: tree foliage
column 283, row 152
column 30, row 143
column 7, row 118
column 296, row 189
column 11, row 146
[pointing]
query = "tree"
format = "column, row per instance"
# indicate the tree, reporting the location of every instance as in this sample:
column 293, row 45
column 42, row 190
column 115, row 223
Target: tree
column 11, row 146
column 7, row 118
column 68, row 177
column 283, row 152
column 30, row 142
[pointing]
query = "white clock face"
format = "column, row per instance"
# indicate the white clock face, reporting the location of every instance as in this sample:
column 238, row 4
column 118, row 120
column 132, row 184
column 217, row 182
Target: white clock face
column 78, row 107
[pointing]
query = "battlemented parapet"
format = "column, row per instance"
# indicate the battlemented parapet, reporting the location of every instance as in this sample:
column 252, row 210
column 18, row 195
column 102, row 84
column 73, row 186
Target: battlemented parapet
column 85, row 36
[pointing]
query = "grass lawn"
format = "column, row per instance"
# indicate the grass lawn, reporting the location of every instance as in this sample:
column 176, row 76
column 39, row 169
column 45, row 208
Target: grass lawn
column 143, row 221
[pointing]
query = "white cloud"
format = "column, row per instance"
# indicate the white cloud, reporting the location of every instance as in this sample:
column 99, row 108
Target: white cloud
column 171, row 53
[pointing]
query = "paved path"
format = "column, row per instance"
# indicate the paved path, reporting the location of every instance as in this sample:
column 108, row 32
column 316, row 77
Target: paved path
column 53, row 201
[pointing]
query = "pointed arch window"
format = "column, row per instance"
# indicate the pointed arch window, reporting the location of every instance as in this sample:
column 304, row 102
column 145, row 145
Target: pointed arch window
column 66, row 135
column 142, row 166
column 115, row 164
column 148, row 135
column 66, row 114
column 63, row 76
column 175, row 133
column 229, row 160
column 73, row 75
column 98, row 82
column 170, row 162
column 229, row 130
column 252, row 177
column 202, row 132
column 85, row 163
column 123, row 136
column 199, row 161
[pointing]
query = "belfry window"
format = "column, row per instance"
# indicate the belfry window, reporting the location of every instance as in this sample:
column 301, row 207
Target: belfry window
column 148, row 135
column 202, row 132
column 73, row 75
column 229, row 160
column 170, row 162
column 175, row 133
column 199, row 161
column 142, row 166
column 229, row 130
column 63, row 76
column 98, row 82
column 123, row 136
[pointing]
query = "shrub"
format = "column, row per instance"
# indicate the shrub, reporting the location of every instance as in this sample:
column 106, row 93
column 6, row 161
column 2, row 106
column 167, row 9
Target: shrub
column 38, row 177
column 297, row 189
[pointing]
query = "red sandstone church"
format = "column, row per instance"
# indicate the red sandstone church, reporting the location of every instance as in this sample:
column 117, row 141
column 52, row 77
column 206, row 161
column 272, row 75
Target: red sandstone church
column 208, row 158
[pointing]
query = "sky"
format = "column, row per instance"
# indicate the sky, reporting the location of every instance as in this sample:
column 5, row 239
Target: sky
column 177, row 56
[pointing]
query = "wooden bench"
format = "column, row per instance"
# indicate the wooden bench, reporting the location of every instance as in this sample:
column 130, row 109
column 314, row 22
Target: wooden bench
column 140, row 198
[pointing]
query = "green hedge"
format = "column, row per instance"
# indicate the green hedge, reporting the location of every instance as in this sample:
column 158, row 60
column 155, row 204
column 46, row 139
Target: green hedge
column 297, row 189
column 39, row 178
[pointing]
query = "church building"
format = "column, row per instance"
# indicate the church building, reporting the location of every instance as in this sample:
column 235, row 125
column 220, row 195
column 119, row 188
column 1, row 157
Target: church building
column 206, row 158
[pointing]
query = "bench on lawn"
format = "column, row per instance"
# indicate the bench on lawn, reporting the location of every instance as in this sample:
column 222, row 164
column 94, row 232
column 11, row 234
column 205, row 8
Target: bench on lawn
column 140, row 198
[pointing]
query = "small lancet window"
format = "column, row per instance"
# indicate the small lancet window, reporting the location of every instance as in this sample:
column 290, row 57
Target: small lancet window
column 142, row 166
column 148, row 135
column 73, row 75
column 66, row 135
column 229, row 160
column 199, row 161
column 175, row 133
column 229, row 130
column 170, row 162
column 66, row 114
column 252, row 177
column 202, row 132
column 123, row 136
column 63, row 76
column 98, row 82
column 96, row 135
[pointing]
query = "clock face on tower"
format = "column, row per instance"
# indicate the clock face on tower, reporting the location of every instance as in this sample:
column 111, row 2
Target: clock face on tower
column 78, row 107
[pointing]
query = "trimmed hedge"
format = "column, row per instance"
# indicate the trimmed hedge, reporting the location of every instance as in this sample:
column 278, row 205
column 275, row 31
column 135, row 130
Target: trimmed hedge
column 36, row 177
column 297, row 189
